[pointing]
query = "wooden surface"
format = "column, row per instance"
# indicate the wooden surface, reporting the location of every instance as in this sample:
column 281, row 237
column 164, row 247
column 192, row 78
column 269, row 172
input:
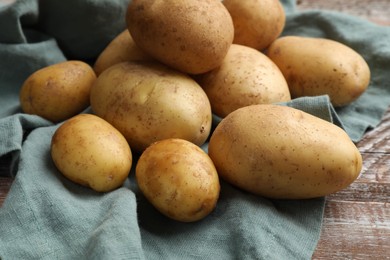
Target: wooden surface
column 375, row 10
column 357, row 220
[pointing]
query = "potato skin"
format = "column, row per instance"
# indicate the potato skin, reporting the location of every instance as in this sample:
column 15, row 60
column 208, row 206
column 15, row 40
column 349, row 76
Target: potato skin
column 190, row 36
column 59, row 91
column 257, row 23
column 89, row 151
column 245, row 77
column 178, row 179
column 284, row 153
column 317, row 66
column 147, row 102
column 121, row 48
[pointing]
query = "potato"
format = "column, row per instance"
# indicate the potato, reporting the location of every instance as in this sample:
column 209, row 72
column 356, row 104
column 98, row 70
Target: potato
column 257, row 23
column 283, row 153
column 179, row 179
column 147, row 102
column 316, row 66
column 89, row 151
column 121, row 48
column 246, row 77
column 190, row 36
column 59, row 91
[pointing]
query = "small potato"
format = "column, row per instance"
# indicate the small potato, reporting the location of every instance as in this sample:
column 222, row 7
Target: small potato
column 257, row 23
column 148, row 101
column 316, row 66
column 178, row 179
column 190, row 36
column 59, row 91
column 284, row 153
column 89, row 151
column 121, row 48
column 245, row 77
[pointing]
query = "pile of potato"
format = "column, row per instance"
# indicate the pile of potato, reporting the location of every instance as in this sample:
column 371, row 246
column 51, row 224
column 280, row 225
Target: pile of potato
column 156, row 86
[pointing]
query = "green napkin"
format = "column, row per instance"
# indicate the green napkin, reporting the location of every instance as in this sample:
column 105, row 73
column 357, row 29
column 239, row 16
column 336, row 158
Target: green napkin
column 45, row 216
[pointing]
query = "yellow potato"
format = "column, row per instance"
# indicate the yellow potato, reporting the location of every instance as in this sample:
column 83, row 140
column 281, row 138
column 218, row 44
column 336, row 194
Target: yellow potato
column 257, row 23
column 316, row 66
column 190, row 36
column 282, row 152
column 178, row 179
column 121, row 48
column 91, row 152
column 59, row 91
column 245, row 77
column 147, row 102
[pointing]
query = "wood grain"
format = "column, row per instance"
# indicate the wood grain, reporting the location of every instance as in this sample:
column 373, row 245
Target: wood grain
column 355, row 230
column 5, row 185
column 377, row 11
column 357, row 219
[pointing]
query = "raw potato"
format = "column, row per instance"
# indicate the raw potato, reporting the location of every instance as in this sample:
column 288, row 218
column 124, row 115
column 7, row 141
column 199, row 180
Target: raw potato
column 148, row 102
column 179, row 179
column 316, row 66
column 59, row 91
column 89, row 151
column 246, row 77
column 257, row 23
column 190, row 36
column 284, row 153
column 121, row 48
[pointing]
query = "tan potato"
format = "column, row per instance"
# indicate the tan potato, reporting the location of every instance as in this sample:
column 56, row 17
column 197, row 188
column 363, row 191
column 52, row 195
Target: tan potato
column 121, row 48
column 316, row 66
column 190, row 36
column 284, row 153
column 245, row 77
column 257, row 23
column 178, row 179
column 59, row 91
column 89, row 151
column 148, row 102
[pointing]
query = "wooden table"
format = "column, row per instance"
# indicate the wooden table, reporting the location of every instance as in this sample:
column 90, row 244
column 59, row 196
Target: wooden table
column 357, row 219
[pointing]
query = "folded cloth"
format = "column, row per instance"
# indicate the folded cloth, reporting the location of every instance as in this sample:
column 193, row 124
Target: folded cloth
column 46, row 216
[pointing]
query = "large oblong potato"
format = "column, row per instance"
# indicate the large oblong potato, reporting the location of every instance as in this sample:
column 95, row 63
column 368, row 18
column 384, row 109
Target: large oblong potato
column 257, row 23
column 245, row 77
column 89, row 151
column 121, row 48
column 179, row 179
column 317, row 66
column 282, row 152
column 190, row 36
column 59, row 91
column 148, row 101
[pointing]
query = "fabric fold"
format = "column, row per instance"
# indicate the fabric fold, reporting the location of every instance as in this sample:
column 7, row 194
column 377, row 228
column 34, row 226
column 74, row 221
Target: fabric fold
column 16, row 16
